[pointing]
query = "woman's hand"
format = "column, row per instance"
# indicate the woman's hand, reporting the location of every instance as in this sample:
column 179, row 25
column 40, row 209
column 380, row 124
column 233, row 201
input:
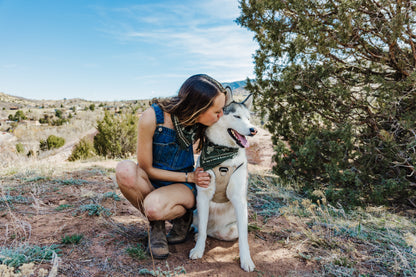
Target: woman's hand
column 201, row 178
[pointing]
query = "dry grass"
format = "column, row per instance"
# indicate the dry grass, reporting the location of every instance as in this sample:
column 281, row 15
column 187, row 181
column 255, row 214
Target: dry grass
column 362, row 242
column 375, row 241
column 44, row 199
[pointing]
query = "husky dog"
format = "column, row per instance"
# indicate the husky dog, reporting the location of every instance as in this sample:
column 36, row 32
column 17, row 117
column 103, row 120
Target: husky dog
column 222, row 206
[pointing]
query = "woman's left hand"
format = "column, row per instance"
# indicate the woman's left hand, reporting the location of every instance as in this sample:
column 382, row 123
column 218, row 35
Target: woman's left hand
column 201, row 178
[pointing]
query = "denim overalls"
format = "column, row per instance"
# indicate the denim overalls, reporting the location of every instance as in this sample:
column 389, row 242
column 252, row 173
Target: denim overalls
column 167, row 154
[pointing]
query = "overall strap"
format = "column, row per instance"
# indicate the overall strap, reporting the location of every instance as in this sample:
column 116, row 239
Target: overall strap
column 159, row 114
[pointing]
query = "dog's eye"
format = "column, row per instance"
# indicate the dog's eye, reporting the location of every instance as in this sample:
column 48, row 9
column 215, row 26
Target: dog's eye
column 237, row 116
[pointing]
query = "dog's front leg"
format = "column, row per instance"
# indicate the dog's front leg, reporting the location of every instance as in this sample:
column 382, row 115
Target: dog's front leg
column 202, row 204
column 240, row 206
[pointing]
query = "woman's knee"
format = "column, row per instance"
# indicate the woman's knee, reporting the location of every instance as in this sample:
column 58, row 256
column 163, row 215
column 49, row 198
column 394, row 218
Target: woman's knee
column 153, row 208
column 126, row 173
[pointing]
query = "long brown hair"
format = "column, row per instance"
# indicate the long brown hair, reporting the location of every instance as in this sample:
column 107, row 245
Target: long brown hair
column 195, row 96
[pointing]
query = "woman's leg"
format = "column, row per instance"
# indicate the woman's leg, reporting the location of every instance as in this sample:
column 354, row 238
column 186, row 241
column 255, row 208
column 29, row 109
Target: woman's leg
column 169, row 202
column 133, row 183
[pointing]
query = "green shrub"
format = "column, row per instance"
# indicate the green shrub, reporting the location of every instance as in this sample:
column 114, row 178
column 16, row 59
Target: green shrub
column 58, row 113
column 18, row 116
column 72, row 239
column 20, row 148
column 94, row 209
column 58, row 122
column 51, row 142
column 84, row 149
column 15, row 257
column 117, row 135
column 137, row 252
column 45, row 119
column 339, row 99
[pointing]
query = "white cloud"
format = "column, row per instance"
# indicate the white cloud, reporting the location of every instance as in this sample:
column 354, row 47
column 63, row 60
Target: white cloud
column 204, row 33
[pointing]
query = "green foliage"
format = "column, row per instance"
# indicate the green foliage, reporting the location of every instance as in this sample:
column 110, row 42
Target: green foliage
column 20, row 148
column 48, row 119
column 15, row 257
column 94, row 209
column 51, row 142
column 58, row 113
column 62, row 207
column 18, row 116
column 72, row 239
column 111, row 194
column 70, row 181
column 137, row 252
column 45, row 119
column 58, row 122
column 92, row 107
column 117, row 135
column 336, row 81
column 84, row 149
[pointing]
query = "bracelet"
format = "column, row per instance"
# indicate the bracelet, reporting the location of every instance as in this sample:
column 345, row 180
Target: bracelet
column 186, row 177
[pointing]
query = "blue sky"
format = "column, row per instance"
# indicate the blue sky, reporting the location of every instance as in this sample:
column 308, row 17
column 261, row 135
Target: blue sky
column 118, row 50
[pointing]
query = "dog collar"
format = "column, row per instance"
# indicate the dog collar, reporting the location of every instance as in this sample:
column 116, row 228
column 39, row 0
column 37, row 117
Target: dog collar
column 213, row 154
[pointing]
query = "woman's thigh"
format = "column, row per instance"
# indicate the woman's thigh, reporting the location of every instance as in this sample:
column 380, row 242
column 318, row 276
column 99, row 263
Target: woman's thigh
column 169, row 202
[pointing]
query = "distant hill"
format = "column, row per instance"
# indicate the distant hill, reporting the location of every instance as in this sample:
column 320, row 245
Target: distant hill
column 238, row 87
column 8, row 101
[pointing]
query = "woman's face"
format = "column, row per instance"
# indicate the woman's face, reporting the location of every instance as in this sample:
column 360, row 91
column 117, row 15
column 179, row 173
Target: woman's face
column 214, row 112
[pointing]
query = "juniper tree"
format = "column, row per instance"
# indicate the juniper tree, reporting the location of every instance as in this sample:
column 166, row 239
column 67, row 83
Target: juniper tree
column 117, row 135
column 336, row 80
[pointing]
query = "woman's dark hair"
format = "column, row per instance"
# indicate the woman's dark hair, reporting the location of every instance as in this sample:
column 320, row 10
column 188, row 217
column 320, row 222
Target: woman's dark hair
column 195, row 96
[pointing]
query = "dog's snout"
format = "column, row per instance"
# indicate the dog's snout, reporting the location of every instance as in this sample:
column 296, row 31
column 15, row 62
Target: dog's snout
column 253, row 131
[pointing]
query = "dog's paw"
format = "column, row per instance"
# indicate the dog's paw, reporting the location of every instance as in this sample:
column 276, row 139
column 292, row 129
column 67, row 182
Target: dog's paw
column 196, row 253
column 247, row 264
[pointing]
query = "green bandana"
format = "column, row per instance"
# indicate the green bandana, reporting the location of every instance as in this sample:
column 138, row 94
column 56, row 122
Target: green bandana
column 213, row 155
column 184, row 135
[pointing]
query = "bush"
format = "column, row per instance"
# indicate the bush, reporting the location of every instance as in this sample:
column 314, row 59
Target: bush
column 58, row 113
column 51, row 142
column 117, row 135
column 340, row 98
column 83, row 150
column 20, row 148
column 58, row 122
column 72, row 239
column 18, row 116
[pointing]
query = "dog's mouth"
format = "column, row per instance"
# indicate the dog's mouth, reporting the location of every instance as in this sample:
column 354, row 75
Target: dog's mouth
column 239, row 138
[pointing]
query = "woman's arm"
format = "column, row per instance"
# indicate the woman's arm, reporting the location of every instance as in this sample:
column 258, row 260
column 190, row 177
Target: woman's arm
column 146, row 129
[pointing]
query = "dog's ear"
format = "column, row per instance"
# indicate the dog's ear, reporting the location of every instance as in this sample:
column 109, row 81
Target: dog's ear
column 228, row 96
column 248, row 102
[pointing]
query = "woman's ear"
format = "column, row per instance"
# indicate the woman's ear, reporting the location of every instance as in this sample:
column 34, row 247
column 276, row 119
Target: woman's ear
column 228, row 96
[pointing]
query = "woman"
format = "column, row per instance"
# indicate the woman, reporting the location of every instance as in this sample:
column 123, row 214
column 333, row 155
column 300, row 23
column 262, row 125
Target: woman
column 162, row 184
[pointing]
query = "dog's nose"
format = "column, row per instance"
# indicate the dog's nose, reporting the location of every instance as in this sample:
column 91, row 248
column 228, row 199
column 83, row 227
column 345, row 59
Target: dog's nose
column 253, row 131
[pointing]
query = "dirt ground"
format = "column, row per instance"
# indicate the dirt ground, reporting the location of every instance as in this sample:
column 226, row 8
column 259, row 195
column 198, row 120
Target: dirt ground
column 51, row 208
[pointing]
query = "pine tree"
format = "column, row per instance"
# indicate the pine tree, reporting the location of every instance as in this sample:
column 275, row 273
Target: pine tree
column 336, row 80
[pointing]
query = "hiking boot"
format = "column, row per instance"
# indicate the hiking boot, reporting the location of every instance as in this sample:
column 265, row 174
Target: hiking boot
column 158, row 245
column 180, row 229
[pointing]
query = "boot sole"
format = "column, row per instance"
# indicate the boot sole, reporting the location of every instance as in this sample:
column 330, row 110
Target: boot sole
column 159, row 257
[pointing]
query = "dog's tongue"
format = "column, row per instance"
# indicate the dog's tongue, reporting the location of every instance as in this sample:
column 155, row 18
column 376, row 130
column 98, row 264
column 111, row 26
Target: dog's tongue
column 242, row 139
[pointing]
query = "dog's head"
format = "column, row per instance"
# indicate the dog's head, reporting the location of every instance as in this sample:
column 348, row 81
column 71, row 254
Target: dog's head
column 233, row 127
